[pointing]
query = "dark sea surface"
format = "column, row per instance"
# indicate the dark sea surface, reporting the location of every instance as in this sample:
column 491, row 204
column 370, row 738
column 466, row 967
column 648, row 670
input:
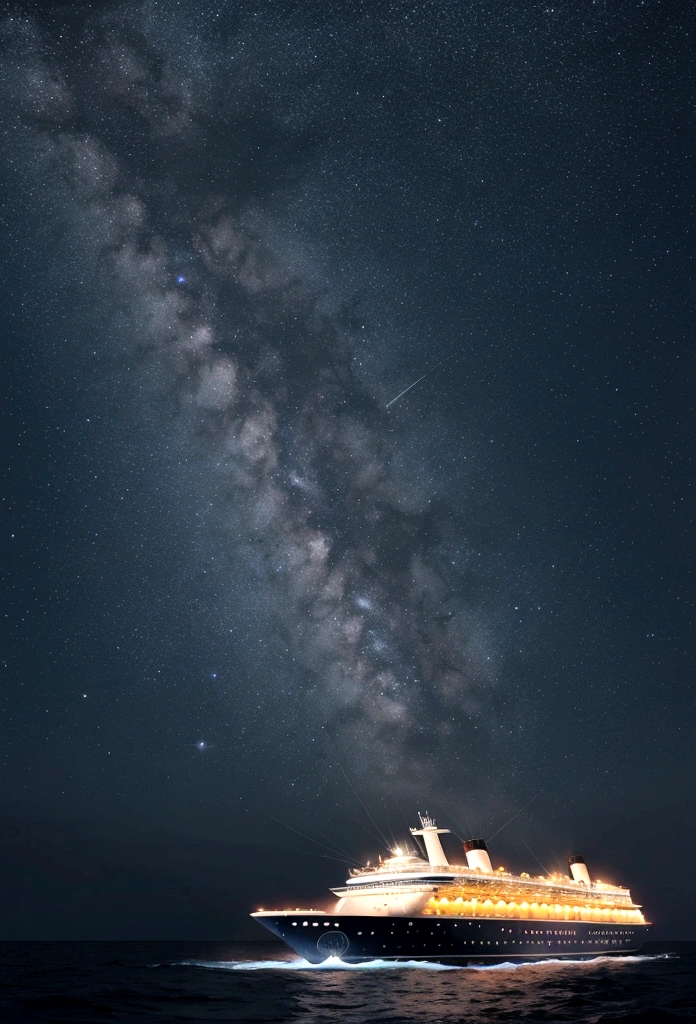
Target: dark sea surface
column 213, row 981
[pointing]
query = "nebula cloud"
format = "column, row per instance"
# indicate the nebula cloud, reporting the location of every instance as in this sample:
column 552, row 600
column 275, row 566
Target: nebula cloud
column 259, row 371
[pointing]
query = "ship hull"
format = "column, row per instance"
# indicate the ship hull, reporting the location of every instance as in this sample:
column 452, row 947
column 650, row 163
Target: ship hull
column 353, row 939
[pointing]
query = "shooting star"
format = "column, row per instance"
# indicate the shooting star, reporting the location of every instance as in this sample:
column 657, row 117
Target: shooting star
column 401, row 395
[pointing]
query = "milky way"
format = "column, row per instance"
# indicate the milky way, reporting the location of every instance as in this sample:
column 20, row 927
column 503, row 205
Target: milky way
column 244, row 575
column 352, row 564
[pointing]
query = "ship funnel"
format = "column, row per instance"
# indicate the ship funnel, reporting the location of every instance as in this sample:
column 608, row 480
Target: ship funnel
column 477, row 855
column 578, row 870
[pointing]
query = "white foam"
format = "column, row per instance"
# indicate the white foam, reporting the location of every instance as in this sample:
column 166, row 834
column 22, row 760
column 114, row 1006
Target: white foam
column 334, row 964
column 331, row 964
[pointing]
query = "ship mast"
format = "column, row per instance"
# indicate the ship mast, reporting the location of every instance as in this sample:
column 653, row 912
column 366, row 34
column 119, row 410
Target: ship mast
column 431, row 837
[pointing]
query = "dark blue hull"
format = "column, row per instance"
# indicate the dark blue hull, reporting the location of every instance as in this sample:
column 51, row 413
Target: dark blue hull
column 353, row 939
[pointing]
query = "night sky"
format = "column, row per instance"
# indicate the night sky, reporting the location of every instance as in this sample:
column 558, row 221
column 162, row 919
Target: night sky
column 243, row 587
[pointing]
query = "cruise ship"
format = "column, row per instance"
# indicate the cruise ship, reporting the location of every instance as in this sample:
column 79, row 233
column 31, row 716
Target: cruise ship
column 421, row 907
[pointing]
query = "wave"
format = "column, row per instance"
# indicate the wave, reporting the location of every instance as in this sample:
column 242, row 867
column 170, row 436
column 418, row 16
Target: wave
column 334, row 964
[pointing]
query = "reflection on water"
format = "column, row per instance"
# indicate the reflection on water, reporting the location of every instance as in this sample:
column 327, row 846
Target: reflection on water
column 417, row 991
column 266, row 983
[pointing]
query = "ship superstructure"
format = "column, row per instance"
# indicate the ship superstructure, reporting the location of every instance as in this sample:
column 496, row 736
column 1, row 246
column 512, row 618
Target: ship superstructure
column 437, row 910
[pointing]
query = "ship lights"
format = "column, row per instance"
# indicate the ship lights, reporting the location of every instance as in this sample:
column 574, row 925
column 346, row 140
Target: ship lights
column 473, row 907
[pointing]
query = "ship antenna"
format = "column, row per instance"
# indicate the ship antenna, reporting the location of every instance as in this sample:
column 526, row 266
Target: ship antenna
column 512, row 818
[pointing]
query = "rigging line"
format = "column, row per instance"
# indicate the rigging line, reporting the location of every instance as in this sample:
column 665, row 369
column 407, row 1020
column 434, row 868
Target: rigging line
column 466, row 820
column 403, row 817
column 410, row 839
column 513, row 818
column 558, row 863
column 420, row 847
column 391, row 830
column 311, row 840
column 325, row 856
column 384, row 839
column 443, row 813
column 545, row 870
column 366, row 830
column 330, row 845
column 360, row 824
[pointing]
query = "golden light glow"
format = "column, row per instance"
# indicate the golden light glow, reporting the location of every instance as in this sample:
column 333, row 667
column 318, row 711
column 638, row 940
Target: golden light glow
column 473, row 907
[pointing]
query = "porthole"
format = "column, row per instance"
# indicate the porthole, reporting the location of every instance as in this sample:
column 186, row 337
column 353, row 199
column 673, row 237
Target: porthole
column 304, row 924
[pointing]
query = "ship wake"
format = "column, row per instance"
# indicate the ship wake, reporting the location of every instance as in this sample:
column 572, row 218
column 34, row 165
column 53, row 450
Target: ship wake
column 334, row 964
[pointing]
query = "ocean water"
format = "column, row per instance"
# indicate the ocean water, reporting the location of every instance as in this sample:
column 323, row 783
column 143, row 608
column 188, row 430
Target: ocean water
column 176, row 982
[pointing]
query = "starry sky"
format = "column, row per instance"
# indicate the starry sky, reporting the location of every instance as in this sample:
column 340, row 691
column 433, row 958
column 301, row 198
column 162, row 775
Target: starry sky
column 261, row 603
